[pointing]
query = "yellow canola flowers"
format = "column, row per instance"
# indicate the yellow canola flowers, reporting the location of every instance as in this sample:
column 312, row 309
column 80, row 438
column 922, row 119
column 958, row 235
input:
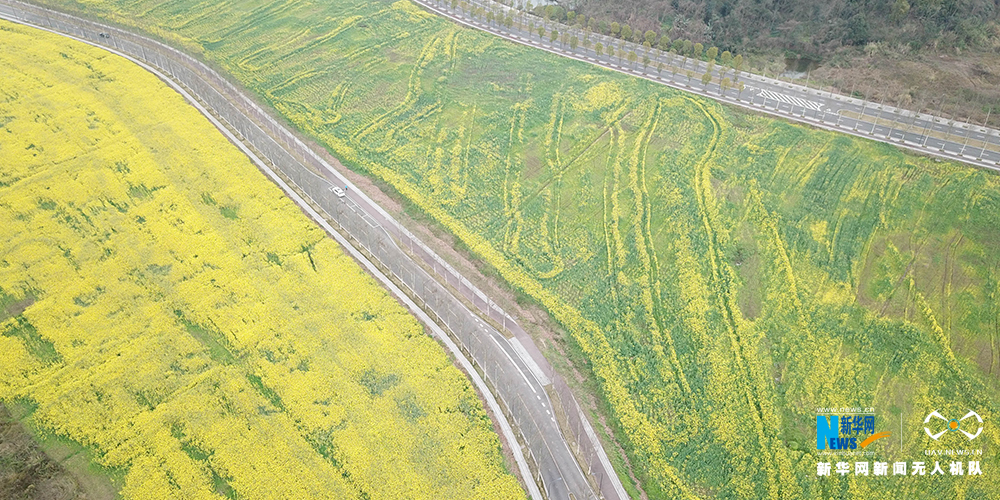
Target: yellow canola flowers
column 167, row 307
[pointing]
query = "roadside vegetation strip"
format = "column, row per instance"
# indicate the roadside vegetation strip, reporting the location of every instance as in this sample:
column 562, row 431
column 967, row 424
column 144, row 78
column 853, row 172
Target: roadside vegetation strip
column 807, row 249
column 185, row 321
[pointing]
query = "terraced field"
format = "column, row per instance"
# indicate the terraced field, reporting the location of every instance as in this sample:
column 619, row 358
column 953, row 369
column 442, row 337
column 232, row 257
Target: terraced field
column 723, row 274
column 168, row 310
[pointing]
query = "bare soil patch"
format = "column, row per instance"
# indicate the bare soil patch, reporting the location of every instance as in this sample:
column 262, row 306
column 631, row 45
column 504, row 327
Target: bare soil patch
column 15, row 309
column 960, row 85
column 26, row 472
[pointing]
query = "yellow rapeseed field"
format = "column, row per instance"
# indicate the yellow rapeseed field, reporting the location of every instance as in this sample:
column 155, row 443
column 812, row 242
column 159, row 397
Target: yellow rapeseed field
column 168, row 308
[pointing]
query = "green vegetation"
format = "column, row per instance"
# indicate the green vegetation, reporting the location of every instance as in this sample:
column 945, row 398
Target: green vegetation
column 37, row 346
column 810, row 27
column 723, row 273
column 216, row 343
column 888, row 51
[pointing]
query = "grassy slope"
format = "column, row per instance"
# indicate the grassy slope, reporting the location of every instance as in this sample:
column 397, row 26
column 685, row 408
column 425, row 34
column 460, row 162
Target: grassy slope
column 169, row 309
column 725, row 274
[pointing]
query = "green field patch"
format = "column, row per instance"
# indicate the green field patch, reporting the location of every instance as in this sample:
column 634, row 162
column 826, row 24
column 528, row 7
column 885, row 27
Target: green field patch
column 141, row 191
column 159, row 270
column 268, row 393
column 220, row 484
column 377, row 383
column 216, row 344
column 87, row 299
column 274, row 259
column 745, row 257
column 229, row 212
column 39, row 347
column 410, row 408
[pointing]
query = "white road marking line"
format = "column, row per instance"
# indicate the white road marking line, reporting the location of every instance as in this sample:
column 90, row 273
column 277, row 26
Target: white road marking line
column 528, row 361
column 525, row 377
column 802, row 103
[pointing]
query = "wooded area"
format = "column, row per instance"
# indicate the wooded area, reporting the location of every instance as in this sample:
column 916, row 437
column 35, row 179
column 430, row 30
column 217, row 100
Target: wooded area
column 810, row 28
column 881, row 50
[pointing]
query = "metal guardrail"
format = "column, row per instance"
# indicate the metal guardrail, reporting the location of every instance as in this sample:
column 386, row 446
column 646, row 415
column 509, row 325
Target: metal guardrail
column 394, row 248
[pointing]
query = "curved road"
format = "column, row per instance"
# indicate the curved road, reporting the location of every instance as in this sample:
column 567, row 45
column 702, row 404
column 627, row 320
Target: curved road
column 968, row 143
column 514, row 366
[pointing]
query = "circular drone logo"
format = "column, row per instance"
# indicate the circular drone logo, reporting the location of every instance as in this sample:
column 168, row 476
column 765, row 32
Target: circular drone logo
column 954, row 424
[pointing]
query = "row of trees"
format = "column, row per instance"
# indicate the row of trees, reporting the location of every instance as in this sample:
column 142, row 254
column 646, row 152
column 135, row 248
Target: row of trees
column 576, row 30
column 649, row 39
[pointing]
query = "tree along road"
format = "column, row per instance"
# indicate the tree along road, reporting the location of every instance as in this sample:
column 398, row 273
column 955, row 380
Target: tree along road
column 513, row 366
column 925, row 133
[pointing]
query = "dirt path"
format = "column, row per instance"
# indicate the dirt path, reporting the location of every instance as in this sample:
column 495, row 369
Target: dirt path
column 29, row 472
